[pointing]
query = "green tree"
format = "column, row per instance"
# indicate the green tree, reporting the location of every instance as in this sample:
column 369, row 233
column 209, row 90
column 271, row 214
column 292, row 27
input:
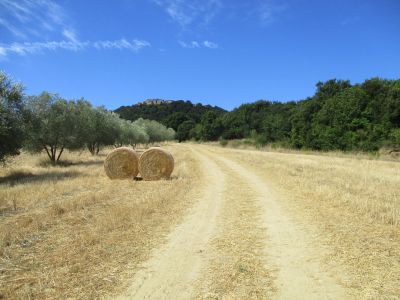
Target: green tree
column 195, row 132
column 131, row 134
column 11, row 117
column 156, row 132
column 340, row 122
column 211, row 126
column 175, row 119
column 395, row 138
column 236, row 124
column 97, row 126
column 183, row 132
column 52, row 125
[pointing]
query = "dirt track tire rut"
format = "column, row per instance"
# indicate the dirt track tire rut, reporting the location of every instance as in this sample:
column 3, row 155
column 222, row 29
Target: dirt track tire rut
column 288, row 266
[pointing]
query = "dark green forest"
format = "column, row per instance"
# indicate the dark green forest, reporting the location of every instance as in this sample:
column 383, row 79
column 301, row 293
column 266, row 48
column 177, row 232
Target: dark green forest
column 339, row 116
column 173, row 113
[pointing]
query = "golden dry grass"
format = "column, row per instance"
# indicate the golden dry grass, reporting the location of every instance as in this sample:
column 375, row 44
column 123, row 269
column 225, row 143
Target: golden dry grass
column 384, row 154
column 354, row 202
column 70, row 232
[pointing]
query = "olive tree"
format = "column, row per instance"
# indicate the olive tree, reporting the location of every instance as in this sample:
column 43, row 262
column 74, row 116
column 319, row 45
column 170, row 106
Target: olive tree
column 157, row 132
column 131, row 134
column 97, row 126
column 11, row 117
column 52, row 125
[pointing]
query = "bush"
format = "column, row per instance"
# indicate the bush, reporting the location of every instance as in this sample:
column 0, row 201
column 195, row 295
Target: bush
column 223, row 142
column 11, row 117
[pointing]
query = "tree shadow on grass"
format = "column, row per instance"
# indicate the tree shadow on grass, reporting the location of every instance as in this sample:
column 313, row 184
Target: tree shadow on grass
column 22, row 177
column 88, row 163
column 68, row 163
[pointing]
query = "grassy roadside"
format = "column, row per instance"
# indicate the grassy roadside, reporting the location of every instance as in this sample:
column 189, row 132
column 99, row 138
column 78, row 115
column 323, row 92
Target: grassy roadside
column 70, row 232
column 249, row 144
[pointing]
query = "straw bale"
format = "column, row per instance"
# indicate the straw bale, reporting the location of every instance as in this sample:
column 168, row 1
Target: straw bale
column 122, row 163
column 155, row 164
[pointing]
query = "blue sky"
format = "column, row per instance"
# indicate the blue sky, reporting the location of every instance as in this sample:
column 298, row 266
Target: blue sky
column 219, row 52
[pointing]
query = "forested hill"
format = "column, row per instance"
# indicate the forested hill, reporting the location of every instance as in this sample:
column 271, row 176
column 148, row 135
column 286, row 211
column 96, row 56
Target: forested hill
column 170, row 113
column 339, row 116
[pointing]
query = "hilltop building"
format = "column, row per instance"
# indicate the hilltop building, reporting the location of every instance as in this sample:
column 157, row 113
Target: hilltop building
column 155, row 102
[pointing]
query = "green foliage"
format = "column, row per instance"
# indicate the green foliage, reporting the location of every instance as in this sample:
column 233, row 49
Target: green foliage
column 131, row 133
column 183, row 132
column 340, row 116
column 395, row 138
column 170, row 114
column 156, row 132
column 195, row 132
column 53, row 125
column 175, row 120
column 98, row 127
column 223, row 142
column 11, row 117
column 211, row 126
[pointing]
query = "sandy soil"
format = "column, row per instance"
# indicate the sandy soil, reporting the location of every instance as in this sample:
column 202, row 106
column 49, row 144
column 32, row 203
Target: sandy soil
column 284, row 252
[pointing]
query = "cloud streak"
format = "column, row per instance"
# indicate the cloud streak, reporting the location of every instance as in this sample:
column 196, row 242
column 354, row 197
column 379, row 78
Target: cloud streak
column 196, row 44
column 190, row 45
column 122, row 44
column 71, row 45
column 268, row 11
column 24, row 18
column 186, row 12
column 210, row 45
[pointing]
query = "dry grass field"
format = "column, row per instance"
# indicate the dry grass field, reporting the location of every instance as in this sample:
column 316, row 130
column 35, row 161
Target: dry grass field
column 230, row 224
column 353, row 201
column 70, row 232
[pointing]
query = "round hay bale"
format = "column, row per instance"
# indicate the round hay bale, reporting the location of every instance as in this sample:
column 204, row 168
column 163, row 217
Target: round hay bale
column 155, row 164
column 122, row 163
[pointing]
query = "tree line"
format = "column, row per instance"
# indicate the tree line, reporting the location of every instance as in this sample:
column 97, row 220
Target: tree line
column 339, row 116
column 49, row 123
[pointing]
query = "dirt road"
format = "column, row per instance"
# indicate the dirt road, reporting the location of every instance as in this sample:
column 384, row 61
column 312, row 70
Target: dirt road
column 238, row 241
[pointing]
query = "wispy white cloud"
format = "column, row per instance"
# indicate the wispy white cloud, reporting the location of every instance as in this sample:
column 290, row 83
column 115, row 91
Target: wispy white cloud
column 47, row 20
column 11, row 28
column 187, row 12
column 70, row 35
column 3, row 51
column 210, row 45
column 269, row 10
column 38, row 47
column 192, row 44
column 121, row 44
column 23, row 18
column 196, row 44
column 71, row 45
